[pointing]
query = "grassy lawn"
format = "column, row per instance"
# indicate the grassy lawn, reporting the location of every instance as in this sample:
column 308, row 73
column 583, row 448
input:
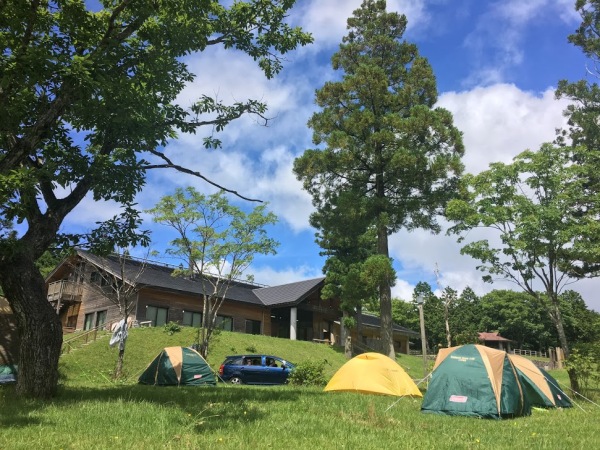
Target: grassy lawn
column 93, row 412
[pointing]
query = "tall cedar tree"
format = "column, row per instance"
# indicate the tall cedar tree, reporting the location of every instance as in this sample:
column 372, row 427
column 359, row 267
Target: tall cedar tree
column 87, row 106
column 394, row 157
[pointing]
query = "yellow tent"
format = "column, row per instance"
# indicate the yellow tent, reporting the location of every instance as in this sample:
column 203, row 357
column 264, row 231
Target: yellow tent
column 373, row 373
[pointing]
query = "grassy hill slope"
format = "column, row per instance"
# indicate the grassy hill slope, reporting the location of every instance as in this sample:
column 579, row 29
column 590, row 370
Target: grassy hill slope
column 94, row 363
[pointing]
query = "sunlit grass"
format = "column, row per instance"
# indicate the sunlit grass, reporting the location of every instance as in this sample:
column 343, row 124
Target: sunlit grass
column 94, row 412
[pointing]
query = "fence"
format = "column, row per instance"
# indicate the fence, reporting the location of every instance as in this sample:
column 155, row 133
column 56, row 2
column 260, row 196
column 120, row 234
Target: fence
column 533, row 353
column 516, row 351
column 87, row 336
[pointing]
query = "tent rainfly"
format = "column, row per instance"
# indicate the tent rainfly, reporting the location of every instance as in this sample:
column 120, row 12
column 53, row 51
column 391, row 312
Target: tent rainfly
column 178, row 366
column 541, row 388
column 373, row 373
column 477, row 381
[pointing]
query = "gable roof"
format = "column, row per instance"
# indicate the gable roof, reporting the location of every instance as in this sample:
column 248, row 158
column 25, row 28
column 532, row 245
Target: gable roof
column 160, row 277
column 492, row 337
column 288, row 294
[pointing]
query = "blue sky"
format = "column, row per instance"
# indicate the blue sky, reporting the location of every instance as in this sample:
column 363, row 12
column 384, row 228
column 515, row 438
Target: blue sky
column 497, row 64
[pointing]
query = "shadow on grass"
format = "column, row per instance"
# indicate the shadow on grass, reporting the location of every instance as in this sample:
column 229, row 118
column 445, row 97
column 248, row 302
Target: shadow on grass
column 14, row 411
column 227, row 405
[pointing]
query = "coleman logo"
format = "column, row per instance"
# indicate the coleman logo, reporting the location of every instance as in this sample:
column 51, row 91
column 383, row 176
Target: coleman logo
column 458, row 398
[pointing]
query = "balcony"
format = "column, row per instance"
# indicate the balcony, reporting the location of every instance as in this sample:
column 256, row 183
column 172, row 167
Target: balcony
column 65, row 292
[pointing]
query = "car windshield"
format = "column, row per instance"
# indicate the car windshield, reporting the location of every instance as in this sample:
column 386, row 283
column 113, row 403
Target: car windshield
column 282, row 362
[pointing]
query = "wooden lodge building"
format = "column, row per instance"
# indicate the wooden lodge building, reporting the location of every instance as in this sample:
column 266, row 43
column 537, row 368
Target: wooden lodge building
column 293, row 311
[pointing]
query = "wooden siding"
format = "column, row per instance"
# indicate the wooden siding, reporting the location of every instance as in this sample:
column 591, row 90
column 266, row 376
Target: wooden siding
column 177, row 303
column 317, row 319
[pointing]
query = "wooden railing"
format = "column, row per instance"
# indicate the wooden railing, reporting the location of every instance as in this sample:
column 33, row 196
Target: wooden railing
column 87, row 336
column 518, row 351
column 64, row 290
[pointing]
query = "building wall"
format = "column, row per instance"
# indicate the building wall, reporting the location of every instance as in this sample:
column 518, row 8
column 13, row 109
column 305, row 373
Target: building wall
column 178, row 303
column 93, row 302
column 319, row 318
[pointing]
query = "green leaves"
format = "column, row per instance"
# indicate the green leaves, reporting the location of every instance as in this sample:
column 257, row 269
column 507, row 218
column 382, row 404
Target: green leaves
column 535, row 207
column 214, row 237
column 86, row 95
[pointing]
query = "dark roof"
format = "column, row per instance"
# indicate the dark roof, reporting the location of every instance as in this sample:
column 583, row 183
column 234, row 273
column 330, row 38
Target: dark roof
column 288, row 294
column 160, row 276
column 375, row 322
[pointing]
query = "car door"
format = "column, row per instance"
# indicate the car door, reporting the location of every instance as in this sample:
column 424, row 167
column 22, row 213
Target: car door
column 277, row 373
column 252, row 373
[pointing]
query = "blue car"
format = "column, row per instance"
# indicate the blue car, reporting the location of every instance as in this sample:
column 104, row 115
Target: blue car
column 255, row 369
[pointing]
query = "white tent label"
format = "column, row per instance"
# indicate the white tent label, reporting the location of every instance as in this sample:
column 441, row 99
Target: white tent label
column 458, row 399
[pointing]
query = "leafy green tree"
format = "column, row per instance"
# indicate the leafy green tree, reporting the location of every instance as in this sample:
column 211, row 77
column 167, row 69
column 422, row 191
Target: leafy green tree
column 348, row 247
column 582, row 325
column 217, row 241
column 87, row 105
column 516, row 316
column 393, row 157
column 464, row 318
column 584, row 128
column 49, row 260
column 405, row 314
column 534, row 208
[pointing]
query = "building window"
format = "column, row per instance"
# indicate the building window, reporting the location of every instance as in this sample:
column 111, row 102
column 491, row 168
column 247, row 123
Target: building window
column 99, row 278
column 224, row 323
column 192, row 319
column 95, row 320
column 252, row 326
column 95, row 277
column 157, row 315
column 101, row 318
column 88, row 324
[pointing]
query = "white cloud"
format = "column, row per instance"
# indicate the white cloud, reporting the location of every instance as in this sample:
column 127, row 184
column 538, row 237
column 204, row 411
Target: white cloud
column 326, row 20
column 500, row 121
column 403, row 290
column 274, row 277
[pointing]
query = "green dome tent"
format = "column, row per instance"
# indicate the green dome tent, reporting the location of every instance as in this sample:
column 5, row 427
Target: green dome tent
column 541, row 388
column 477, row 381
column 178, row 366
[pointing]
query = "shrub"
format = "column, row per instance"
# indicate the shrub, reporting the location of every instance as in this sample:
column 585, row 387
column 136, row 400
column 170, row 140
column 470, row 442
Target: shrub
column 251, row 349
column 171, row 328
column 308, row 373
column 585, row 359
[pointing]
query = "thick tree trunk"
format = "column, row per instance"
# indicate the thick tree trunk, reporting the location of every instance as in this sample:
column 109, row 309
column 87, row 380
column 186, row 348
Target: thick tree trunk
column 39, row 327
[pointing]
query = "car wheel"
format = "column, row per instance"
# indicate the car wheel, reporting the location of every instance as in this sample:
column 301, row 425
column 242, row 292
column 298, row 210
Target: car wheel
column 235, row 380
